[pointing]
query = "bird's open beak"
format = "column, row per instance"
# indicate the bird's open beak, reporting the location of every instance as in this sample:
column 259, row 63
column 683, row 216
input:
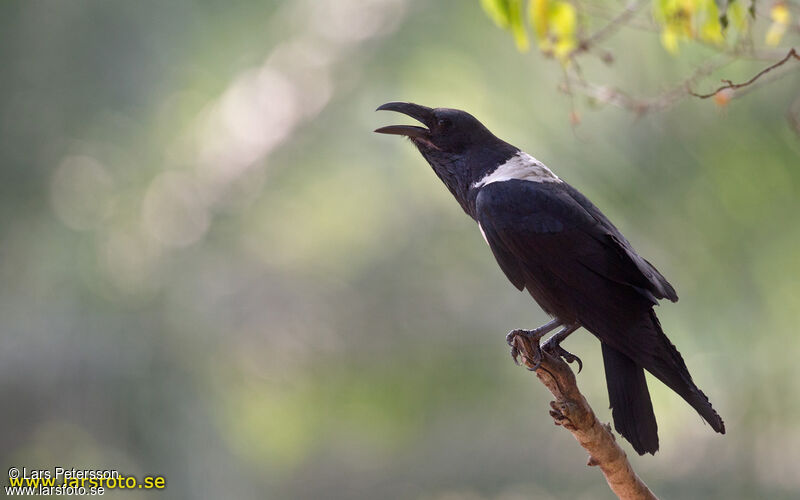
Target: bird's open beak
column 421, row 113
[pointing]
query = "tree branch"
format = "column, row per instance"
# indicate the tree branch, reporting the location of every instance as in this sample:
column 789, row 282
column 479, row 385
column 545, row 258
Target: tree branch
column 643, row 105
column 571, row 411
column 733, row 86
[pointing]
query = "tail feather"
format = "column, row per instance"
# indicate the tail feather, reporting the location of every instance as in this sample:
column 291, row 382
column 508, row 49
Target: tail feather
column 668, row 366
column 629, row 397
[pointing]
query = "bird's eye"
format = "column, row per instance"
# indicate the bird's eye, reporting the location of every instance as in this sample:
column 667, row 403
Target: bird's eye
column 444, row 123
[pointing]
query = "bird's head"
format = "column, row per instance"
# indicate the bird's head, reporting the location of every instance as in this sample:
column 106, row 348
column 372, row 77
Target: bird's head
column 460, row 149
column 449, row 131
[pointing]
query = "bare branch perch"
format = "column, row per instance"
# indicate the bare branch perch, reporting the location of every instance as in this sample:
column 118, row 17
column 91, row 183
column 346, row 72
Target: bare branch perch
column 734, row 86
column 571, row 411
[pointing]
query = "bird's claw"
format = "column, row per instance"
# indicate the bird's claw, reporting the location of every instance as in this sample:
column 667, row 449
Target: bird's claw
column 515, row 355
column 510, row 340
column 557, row 350
column 534, row 362
column 513, row 334
column 530, row 340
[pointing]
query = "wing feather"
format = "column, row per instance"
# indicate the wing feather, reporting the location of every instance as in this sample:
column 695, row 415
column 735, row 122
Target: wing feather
column 529, row 224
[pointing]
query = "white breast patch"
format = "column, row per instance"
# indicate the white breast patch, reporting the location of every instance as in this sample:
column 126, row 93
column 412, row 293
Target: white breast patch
column 521, row 166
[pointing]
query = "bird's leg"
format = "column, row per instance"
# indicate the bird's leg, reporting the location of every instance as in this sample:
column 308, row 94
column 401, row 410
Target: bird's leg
column 553, row 345
column 533, row 337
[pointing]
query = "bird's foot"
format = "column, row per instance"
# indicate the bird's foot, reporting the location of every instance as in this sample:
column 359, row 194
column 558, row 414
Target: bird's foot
column 529, row 341
column 555, row 349
column 531, row 350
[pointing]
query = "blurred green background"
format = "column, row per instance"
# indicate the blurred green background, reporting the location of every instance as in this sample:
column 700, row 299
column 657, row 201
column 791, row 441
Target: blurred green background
column 212, row 269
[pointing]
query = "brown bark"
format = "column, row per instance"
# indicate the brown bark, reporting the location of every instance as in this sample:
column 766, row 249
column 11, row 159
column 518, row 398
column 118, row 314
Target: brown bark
column 571, row 411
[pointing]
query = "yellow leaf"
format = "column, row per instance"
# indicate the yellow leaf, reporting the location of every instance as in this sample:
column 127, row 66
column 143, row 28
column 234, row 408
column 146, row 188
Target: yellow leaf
column 669, row 39
column 707, row 16
column 711, row 30
column 780, row 21
column 563, row 18
column 775, row 33
column 780, row 13
column 538, row 13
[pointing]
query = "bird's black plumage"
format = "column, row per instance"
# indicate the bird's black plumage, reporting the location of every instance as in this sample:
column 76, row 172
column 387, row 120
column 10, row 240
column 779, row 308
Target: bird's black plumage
column 552, row 241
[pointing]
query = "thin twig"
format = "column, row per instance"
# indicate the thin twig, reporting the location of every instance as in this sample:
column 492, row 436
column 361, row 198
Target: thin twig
column 733, row 86
column 571, row 411
column 643, row 105
column 602, row 14
column 743, row 50
column 609, row 29
column 769, row 80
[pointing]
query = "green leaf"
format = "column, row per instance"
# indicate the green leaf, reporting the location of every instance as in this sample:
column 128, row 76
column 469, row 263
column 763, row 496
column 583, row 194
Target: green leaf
column 722, row 6
column 508, row 15
column 499, row 11
column 738, row 16
column 516, row 19
column 709, row 20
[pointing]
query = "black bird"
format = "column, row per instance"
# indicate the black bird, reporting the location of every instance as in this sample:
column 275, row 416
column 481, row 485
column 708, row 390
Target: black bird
column 551, row 240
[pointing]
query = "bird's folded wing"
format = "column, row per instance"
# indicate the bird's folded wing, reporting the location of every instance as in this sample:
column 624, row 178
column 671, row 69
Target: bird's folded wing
column 531, row 225
column 659, row 284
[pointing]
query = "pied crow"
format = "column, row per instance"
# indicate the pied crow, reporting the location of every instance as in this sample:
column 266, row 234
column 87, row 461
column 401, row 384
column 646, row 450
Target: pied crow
column 552, row 241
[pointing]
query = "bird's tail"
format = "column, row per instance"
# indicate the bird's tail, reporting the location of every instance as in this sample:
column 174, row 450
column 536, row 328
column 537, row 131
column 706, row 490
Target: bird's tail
column 668, row 366
column 630, row 401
